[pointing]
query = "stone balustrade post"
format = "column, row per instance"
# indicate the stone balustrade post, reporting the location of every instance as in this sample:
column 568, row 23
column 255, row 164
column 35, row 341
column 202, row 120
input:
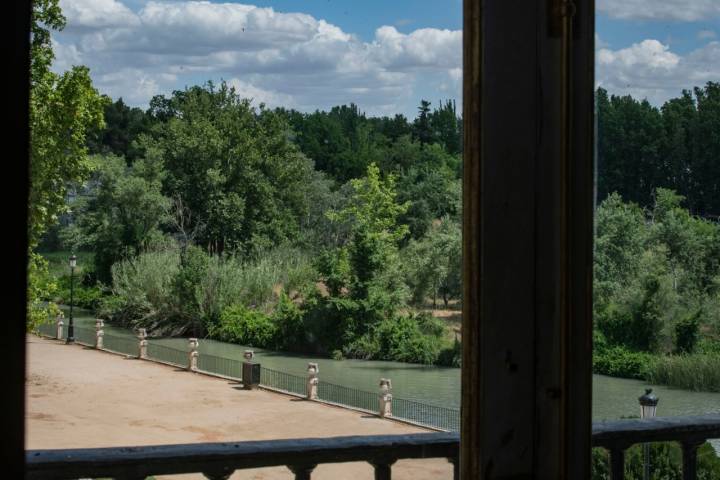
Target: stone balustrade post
column 312, row 381
column 193, row 355
column 385, row 398
column 142, row 343
column 99, row 333
column 59, row 324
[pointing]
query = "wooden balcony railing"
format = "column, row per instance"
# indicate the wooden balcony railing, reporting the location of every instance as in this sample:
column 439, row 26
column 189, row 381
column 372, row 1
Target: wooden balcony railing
column 301, row 456
column 690, row 432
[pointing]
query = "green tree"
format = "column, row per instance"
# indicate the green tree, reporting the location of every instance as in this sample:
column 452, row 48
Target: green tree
column 433, row 263
column 127, row 211
column 235, row 168
column 123, row 125
column 422, row 127
column 62, row 109
column 375, row 288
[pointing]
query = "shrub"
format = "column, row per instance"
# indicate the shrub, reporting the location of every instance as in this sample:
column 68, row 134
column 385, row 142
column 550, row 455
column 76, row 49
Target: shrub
column 687, row 333
column 618, row 361
column 245, row 326
column 288, row 320
column 451, row 356
column 402, row 339
column 665, row 462
column 82, row 296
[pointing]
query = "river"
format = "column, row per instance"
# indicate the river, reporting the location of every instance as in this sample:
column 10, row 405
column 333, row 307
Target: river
column 612, row 397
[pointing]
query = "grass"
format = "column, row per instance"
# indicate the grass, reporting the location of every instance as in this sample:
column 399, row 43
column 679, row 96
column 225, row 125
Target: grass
column 699, row 372
column 59, row 262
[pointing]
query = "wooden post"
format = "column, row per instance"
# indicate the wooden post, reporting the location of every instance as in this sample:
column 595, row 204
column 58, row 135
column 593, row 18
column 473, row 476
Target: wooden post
column 527, row 239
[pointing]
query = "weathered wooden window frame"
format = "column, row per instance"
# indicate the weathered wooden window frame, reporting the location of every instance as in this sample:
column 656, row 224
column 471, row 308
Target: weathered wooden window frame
column 528, row 230
column 528, row 204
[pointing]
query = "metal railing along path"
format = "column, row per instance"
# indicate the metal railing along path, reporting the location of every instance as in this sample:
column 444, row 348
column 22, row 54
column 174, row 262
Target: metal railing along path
column 165, row 354
column 226, row 367
column 282, row 381
column 124, row 345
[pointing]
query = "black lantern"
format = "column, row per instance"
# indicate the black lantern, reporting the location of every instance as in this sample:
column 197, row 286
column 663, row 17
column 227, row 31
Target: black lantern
column 648, row 404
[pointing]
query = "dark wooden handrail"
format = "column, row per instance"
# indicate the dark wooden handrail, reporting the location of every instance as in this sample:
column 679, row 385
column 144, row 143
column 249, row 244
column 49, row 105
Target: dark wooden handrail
column 220, row 460
column 301, row 456
column 659, row 429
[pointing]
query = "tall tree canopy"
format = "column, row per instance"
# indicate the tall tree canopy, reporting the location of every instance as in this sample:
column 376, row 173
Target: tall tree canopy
column 677, row 146
column 234, row 167
column 62, row 109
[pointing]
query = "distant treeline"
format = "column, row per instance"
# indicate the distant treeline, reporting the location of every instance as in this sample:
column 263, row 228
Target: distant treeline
column 676, row 146
column 640, row 147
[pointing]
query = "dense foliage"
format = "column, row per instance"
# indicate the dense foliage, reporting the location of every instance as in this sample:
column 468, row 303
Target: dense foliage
column 676, row 146
column 665, row 462
column 62, row 109
column 337, row 233
column 657, row 292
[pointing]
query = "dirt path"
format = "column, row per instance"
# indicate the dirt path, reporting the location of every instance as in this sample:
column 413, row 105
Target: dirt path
column 79, row 397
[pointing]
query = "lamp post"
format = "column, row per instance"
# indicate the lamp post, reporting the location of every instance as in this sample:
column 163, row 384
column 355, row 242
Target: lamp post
column 648, row 406
column 71, row 330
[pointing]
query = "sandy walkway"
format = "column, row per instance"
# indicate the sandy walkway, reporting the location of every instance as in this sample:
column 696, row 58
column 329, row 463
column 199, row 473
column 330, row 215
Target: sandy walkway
column 78, row 397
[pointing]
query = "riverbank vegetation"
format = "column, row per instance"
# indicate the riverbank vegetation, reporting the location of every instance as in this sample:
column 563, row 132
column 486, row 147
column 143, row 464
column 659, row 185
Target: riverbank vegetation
column 338, row 233
column 665, row 462
column 657, row 293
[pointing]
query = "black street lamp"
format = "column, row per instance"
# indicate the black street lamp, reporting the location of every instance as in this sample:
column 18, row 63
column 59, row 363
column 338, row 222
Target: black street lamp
column 71, row 330
column 648, row 406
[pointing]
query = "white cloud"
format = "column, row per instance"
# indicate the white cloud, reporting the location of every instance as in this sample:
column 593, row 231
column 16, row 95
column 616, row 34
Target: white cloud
column 681, row 10
column 650, row 70
column 275, row 57
column 95, row 14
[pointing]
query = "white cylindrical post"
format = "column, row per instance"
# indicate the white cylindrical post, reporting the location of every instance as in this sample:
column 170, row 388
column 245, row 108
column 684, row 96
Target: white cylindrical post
column 312, row 381
column 59, row 324
column 385, row 398
column 99, row 333
column 193, row 355
column 142, row 343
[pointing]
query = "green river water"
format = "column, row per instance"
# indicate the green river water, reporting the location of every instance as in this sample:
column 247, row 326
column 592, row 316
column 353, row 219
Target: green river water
column 612, row 397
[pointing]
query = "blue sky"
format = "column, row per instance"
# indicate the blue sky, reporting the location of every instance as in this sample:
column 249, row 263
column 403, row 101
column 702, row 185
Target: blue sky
column 382, row 55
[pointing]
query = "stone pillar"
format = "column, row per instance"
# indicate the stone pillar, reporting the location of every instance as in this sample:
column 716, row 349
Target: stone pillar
column 193, row 355
column 142, row 343
column 312, row 381
column 385, row 398
column 99, row 333
column 59, row 323
column 250, row 371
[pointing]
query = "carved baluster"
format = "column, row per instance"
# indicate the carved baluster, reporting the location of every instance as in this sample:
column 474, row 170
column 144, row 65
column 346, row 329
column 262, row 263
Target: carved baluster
column 617, row 463
column 99, row 333
column 312, row 381
column 689, row 454
column 385, row 398
column 142, row 343
column 218, row 475
column 302, row 472
column 456, row 467
column 383, row 469
column 193, row 343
